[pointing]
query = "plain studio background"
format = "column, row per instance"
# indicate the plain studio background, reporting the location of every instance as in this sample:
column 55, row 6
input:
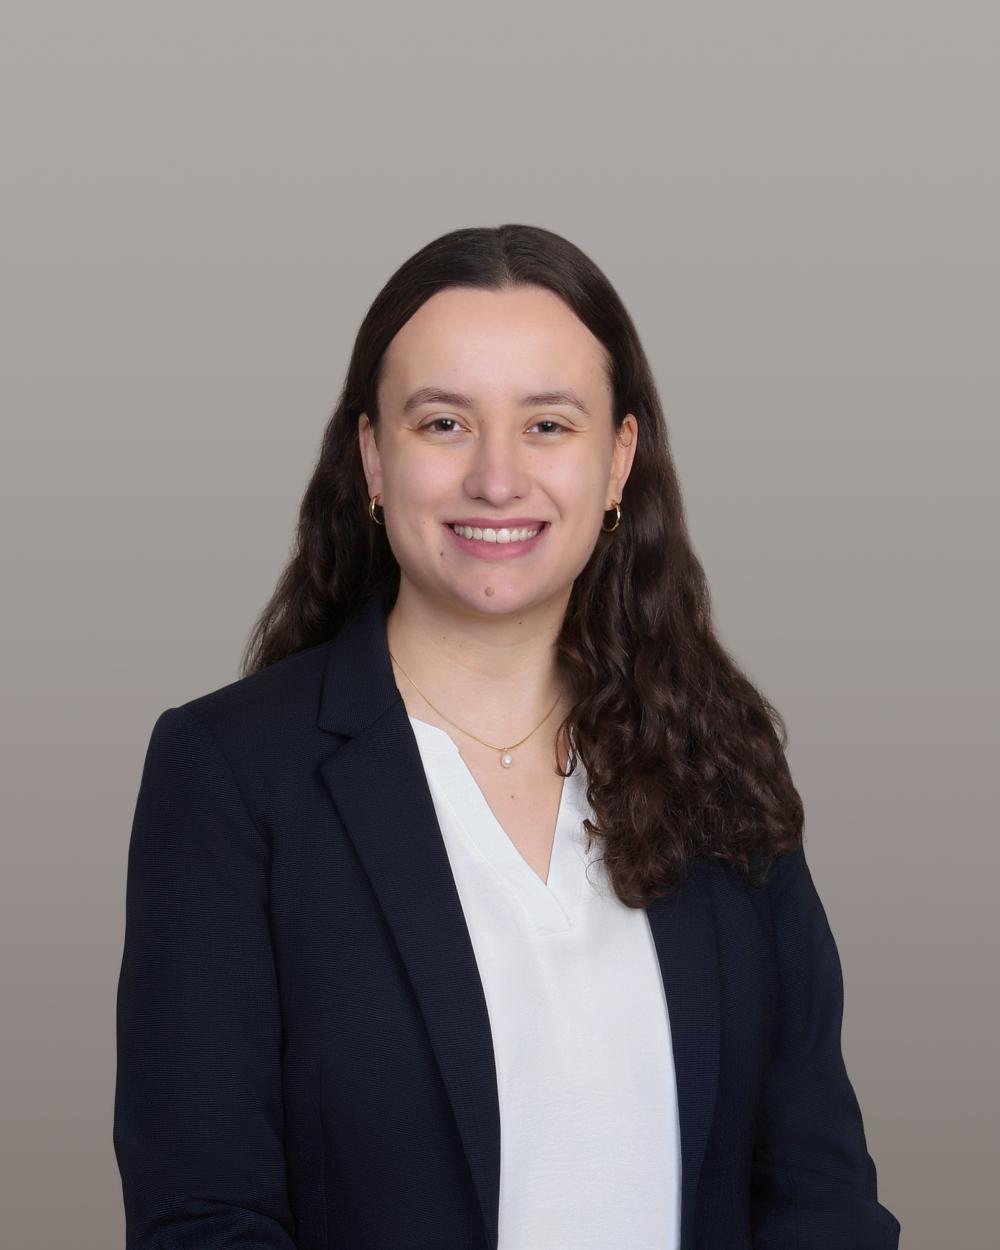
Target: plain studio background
column 798, row 204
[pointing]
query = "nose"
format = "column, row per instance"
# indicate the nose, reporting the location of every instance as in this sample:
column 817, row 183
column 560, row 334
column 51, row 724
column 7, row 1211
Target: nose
column 497, row 470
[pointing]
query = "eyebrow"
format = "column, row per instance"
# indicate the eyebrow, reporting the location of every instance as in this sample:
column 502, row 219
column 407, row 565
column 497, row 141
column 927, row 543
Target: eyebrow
column 434, row 395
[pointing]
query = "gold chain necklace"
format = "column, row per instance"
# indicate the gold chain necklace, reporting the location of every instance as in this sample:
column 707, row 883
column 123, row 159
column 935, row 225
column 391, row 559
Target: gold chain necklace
column 506, row 759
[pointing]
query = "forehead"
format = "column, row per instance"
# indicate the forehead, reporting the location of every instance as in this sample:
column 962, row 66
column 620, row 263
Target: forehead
column 496, row 343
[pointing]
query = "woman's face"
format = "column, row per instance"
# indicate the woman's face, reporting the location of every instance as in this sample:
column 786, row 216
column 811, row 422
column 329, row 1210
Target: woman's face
column 472, row 432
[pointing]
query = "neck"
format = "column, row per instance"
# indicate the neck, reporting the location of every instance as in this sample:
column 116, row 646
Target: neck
column 493, row 676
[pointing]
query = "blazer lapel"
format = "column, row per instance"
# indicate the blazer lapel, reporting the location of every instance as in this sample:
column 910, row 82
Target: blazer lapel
column 377, row 784
column 684, row 934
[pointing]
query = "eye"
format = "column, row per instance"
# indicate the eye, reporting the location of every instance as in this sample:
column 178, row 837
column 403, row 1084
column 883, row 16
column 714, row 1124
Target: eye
column 556, row 426
column 437, row 421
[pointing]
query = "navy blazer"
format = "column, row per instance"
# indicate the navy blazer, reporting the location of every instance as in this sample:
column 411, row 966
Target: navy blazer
column 304, row 1052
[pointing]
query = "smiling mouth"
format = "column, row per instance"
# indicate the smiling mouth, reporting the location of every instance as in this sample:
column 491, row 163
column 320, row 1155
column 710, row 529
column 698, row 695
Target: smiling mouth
column 499, row 534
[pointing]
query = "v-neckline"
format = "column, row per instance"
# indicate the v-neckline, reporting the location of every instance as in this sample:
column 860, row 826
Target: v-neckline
column 550, row 904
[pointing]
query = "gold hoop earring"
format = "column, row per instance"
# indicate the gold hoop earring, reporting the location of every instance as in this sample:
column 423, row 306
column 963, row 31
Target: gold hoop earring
column 618, row 518
column 371, row 510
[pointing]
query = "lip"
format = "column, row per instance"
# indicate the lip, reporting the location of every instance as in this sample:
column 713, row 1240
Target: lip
column 496, row 551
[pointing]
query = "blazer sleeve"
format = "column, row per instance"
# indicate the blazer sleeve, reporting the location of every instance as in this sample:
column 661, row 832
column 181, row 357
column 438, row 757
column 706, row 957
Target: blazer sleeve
column 198, row 1105
column 813, row 1182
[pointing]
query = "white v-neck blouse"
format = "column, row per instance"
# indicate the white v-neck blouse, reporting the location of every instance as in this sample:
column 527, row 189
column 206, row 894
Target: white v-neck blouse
column 590, row 1139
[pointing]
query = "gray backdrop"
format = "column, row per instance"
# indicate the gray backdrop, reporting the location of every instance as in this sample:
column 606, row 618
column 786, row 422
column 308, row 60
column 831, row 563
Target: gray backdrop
column 798, row 204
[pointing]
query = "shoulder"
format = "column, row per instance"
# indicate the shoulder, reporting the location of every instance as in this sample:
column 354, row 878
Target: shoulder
column 783, row 882
column 770, row 872
column 284, row 692
column 262, row 726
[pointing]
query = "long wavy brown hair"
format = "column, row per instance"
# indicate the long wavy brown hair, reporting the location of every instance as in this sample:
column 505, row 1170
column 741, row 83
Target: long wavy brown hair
column 684, row 756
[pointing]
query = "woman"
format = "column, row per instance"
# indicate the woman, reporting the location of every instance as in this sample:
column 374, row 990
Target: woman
column 475, row 914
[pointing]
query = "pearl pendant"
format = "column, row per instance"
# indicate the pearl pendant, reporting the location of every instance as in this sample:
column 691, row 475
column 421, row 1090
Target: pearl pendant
column 506, row 759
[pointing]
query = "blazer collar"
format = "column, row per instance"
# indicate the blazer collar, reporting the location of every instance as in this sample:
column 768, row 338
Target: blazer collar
column 377, row 784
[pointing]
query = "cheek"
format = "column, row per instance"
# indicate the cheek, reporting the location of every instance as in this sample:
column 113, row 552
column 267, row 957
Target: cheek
column 578, row 486
column 416, row 501
column 418, row 542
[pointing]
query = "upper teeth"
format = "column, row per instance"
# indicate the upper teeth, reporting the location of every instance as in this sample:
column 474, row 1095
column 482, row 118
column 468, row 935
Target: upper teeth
column 495, row 536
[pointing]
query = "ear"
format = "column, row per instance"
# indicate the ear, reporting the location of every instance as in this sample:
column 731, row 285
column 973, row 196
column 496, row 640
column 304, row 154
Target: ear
column 370, row 459
column 622, row 456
